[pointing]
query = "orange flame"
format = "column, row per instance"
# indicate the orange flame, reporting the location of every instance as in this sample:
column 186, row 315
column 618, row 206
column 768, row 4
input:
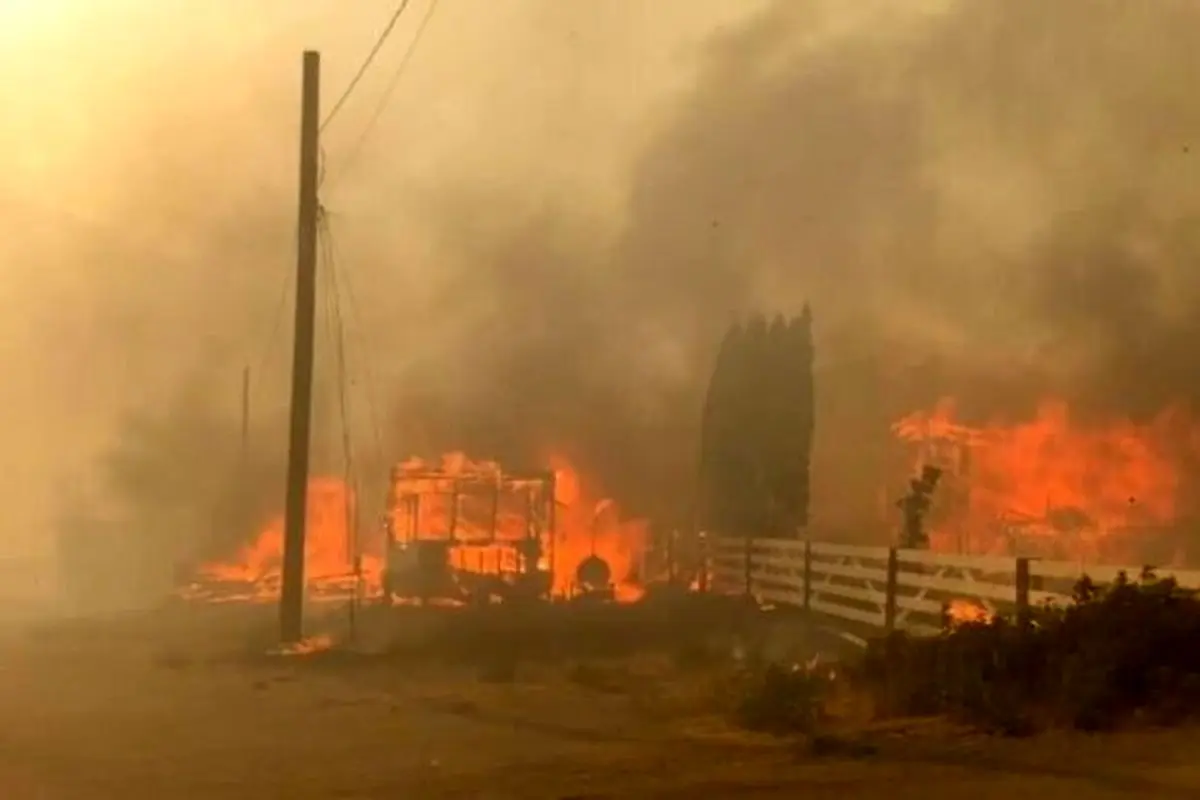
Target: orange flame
column 1082, row 491
column 960, row 612
column 593, row 525
column 583, row 525
column 328, row 556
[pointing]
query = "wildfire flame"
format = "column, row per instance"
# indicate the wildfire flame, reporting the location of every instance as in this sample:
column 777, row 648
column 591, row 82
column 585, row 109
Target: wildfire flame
column 584, row 525
column 959, row 612
column 1052, row 484
column 328, row 558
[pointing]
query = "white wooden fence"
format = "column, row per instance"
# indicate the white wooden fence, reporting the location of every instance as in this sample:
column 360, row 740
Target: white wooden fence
column 894, row 589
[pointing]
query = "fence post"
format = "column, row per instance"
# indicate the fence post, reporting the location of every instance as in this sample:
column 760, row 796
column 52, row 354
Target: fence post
column 807, row 575
column 889, row 602
column 1022, row 598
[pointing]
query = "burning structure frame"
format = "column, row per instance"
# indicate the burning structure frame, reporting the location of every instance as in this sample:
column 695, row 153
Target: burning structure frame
column 469, row 531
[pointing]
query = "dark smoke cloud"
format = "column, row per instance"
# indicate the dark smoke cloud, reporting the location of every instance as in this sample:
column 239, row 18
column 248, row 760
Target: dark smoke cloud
column 989, row 198
column 179, row 488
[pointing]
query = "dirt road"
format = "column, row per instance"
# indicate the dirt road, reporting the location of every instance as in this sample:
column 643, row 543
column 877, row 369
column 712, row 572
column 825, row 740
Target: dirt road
column 91, row 714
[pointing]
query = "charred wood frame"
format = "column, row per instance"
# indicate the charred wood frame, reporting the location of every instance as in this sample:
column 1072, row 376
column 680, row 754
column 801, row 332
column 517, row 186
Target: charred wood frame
column 413, row 490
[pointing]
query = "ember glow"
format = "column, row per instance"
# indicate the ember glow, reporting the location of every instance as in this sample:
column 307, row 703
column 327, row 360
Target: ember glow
column 960, row 612
column 1051, row 486
column 584, row 525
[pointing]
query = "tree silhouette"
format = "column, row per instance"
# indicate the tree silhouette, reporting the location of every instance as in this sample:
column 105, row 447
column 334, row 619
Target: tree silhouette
column 757, row 430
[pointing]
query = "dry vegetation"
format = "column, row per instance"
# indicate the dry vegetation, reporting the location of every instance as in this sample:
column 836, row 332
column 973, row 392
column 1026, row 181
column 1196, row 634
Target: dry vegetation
column 1124, row 655
column 641, row 701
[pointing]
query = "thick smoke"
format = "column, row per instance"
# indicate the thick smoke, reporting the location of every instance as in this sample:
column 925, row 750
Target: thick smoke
column 151, row 204
column 992, row 199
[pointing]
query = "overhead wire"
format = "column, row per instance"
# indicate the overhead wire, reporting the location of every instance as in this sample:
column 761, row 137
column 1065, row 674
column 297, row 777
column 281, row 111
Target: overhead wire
column 335, row 277
column 273, row 328
column 385, row 99
column 270, row 337
column 366, row 64
column 334, row 320
column 271, row 333
column 336, row 331
column 342, row 276
column 344, row 285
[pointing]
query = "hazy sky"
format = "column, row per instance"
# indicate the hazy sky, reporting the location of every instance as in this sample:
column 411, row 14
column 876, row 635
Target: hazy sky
column 150, row 172
column 566, row 202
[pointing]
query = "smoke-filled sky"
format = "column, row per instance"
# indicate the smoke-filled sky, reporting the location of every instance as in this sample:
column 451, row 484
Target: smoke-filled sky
column 566, row 202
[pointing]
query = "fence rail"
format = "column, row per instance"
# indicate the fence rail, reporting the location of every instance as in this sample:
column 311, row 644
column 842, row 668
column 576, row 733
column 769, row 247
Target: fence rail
column 896, row 589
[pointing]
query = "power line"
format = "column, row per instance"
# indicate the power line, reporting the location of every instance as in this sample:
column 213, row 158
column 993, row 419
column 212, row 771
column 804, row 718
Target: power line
column 342, row 276
column 338, row 337
column 349, row 482
column 362, row 70
column 326, row 276
column 272, row 331
column 275, row 324
column 393, row 82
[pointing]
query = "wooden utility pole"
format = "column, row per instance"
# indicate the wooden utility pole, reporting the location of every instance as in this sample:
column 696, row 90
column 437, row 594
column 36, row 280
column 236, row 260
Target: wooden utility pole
column 291, row 598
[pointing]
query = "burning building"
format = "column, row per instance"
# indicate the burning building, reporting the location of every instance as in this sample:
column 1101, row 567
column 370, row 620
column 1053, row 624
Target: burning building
column 336, row 562
column 1057, row 487
column 463, row 529
column 469, row 529
column 485, row 532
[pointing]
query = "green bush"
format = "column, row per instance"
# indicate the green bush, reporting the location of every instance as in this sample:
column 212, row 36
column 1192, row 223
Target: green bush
column 1129, row 651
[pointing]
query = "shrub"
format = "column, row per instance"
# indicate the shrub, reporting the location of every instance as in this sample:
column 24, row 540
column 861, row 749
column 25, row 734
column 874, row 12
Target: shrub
column 1130, row 650
column 782, row 699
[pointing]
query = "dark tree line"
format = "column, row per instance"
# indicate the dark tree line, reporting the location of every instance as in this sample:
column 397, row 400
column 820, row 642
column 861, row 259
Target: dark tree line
column 757, row 430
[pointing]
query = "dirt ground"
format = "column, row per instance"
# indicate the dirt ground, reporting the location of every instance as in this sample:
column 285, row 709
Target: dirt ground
column 158, row 707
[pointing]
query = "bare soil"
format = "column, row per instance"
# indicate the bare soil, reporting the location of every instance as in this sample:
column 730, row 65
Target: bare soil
column 175, row 706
